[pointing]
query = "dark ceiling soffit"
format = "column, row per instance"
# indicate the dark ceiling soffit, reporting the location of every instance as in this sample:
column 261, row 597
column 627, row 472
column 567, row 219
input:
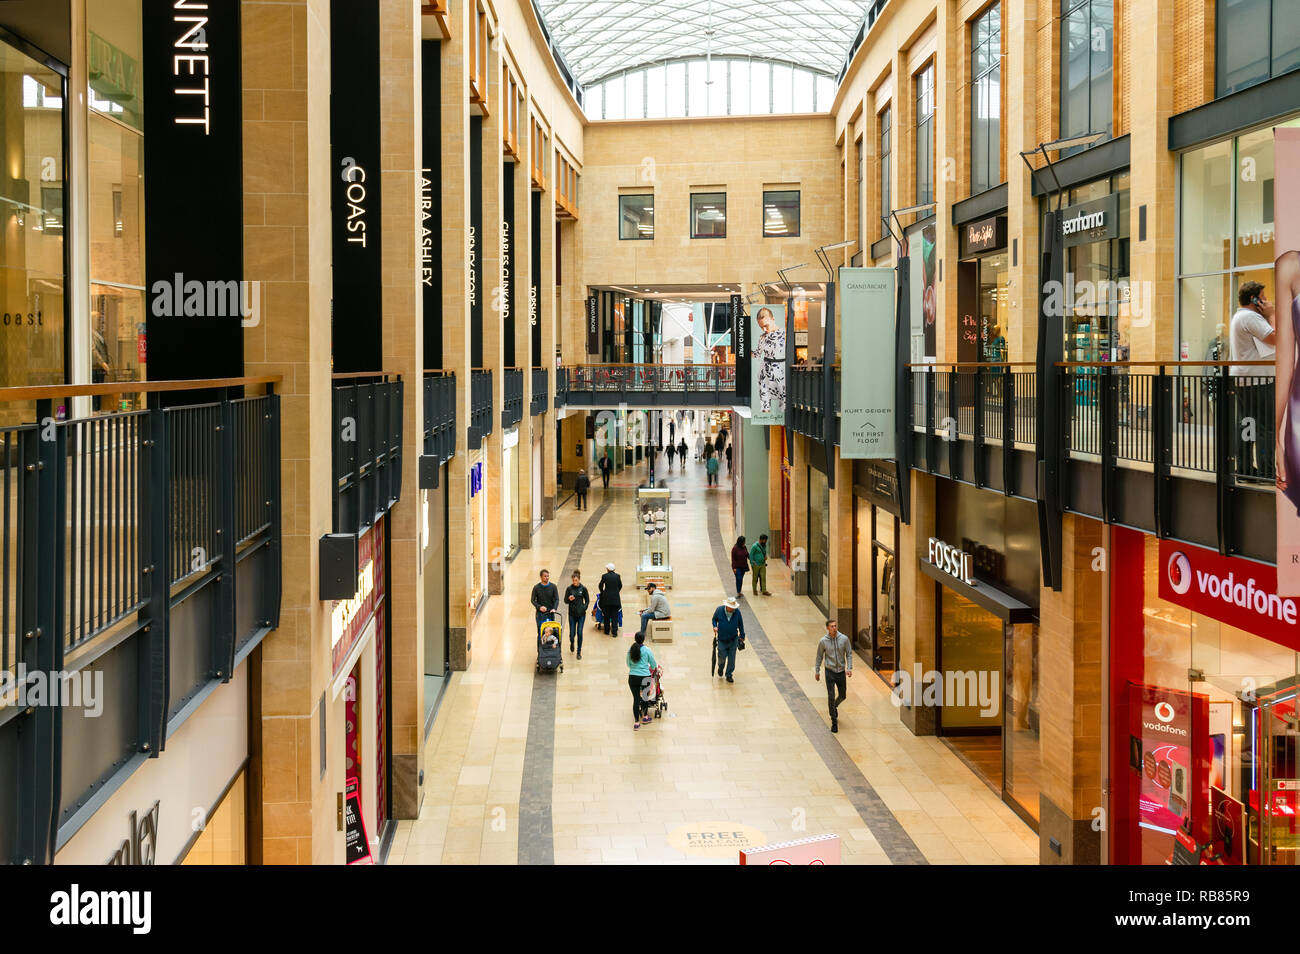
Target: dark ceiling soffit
column 981, row 206
column 1242, row 110
column 1091, row 164
column 1005, row 607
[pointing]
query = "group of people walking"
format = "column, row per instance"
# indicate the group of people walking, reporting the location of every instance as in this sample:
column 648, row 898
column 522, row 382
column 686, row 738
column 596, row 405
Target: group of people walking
column 607, row 608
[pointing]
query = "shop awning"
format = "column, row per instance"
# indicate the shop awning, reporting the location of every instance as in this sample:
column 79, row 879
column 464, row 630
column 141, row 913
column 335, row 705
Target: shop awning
column 1005, row 607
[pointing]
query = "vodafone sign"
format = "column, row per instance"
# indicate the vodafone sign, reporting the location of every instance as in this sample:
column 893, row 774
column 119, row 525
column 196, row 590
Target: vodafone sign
column 1239, row 593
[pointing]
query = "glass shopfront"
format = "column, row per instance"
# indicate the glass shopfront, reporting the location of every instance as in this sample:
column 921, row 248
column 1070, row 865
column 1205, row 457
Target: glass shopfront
column 987, row 639
column 32, row 200
column 982, row 298
column 875, row 565
column 1204, row 674
column 1225, row 236
column 1096, row 297
column 510, row 510
column 224, row 840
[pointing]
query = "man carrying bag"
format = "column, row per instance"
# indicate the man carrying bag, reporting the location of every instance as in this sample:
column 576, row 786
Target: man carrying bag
column 728, row 636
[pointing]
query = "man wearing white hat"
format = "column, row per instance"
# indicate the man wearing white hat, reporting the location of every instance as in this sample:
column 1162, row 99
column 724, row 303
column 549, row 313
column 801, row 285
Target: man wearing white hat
column 728, row 635
column 611, row 600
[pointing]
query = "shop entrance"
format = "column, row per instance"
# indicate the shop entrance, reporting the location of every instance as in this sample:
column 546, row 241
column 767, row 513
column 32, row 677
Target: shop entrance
column 875, row 601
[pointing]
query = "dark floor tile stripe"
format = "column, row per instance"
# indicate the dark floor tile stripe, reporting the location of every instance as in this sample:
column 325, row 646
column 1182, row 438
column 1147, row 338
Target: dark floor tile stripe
column 536, row 829
column 879, row 819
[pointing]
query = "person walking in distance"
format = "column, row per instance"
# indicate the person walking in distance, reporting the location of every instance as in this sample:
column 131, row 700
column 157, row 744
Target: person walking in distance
column 581, row 484
column 682, row 451
column 545, row 600
column 739, row 564
column 728, row 458
column 834, row 648
column 758, row 565
column 711, row 469
column 672, row 449
column 611, row 599
column 640, row 661
column 577, row 599
column 699, row 447
column 658, row 607
column 606, row 468
column 729, row 635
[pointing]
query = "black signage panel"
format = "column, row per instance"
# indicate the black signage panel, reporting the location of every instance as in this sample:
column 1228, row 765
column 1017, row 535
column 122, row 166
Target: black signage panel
column 197, row 300
column 474, row 260
column 741, row 346
column 1095, row 221
column 508, row 261
column 986, row 235
column 431, row 202
column 593, row 328
column 355, row 212
column 535, row 288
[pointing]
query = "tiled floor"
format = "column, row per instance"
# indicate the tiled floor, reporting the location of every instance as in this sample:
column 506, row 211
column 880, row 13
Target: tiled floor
column 725, row 757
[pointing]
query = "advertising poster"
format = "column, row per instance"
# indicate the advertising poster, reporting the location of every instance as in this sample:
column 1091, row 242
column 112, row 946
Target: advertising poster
column 921, row 278
column 868, row 343
column 1287, row 395
column 768, row 366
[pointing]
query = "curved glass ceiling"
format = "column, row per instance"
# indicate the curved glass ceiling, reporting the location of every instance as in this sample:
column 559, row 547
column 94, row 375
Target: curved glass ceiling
column 600, row 37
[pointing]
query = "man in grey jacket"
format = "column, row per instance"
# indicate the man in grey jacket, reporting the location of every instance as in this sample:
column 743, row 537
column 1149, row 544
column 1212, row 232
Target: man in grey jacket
column 658, row 607
column 835, row 648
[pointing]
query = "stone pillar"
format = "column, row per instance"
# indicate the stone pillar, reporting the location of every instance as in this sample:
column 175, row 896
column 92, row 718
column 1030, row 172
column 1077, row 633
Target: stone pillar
column 916, row 596
column 950, row 87
column 285, row 69
column 840, row 599
column 1151, row 321
column 1070, row 698
column 549, row 316
column 800, row 557
column 1020, row 128
column 403, row 348
column 455, row 326
column 519, row 312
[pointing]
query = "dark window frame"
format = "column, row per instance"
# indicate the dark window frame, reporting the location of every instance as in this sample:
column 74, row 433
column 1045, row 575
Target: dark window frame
column 691, row 206
column 1222, row 21
column 798, row 193
column 1068, row 9
column 636, row 238
column 923, row 90
column 885, row 125
column 986, row 171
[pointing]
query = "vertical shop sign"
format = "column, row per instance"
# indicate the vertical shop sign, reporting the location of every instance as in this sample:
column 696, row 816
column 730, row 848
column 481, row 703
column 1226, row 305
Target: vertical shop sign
column 868, row 342
column 194, row 261
column 355, row 213
column 741, row 346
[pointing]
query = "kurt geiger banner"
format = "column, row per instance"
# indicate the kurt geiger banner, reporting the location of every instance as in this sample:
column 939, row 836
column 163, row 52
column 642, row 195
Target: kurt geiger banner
column 868, row 345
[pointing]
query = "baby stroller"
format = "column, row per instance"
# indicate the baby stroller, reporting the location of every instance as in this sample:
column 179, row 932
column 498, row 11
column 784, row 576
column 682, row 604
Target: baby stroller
column 657, row 701
column 549, row 655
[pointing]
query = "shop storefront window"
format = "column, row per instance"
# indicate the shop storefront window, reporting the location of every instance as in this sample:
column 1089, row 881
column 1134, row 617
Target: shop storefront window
column 876, row 597
column 1098, row 308
column 1226, row 223
column 224, row 837
column 818, row 542
column 31, row 242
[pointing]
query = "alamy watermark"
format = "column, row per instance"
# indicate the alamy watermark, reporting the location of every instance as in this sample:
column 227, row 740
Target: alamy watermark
column 950, row 688
column 182, row 298
column 83, row 689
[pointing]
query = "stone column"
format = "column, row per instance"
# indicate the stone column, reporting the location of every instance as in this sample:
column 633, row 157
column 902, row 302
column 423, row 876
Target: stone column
column 916, row 597
column 800, row 557
column 285, row 70
column 493, row 320
column 455, row 326
column 1020, row 128
column 548, row 315
column 1070, row 698
column 950, row 90
column 840, row 599
column 519, row 310
column 403, row 348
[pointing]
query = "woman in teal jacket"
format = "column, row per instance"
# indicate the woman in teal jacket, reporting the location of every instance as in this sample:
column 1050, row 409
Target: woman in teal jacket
column 639, row 663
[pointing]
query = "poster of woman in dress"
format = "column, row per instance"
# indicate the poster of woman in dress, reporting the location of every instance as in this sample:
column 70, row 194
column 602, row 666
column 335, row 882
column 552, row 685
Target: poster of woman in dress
column 1286, row 276
column 767, row 386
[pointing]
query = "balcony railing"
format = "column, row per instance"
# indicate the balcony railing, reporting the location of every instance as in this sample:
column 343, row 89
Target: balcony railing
column 541, row 398
column 480, row 406
column 367, row 448
column 112, row 527
column 512, row 408
column 647, row 383
column 440, row 415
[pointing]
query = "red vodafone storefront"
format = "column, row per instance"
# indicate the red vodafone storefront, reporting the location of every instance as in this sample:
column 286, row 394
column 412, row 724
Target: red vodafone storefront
column 1204, row 667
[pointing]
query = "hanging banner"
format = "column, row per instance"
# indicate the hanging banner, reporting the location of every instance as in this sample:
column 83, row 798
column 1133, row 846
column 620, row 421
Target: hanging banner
column 868, row 342
column 740, row 338
column 768, row 368
column 593, row 327
column 198, row 303
column 1287, row 391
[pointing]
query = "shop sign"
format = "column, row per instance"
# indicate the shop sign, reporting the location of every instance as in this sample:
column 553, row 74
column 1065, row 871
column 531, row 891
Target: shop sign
column 952, row 560
column 740, row 343
column 984, row 235
column 821, row 850
column 1093, row 221
column 358, row 845
column 1160, row 751
column 593, row 330
column 349, row 618
column 1236, row 592
column 141, row 845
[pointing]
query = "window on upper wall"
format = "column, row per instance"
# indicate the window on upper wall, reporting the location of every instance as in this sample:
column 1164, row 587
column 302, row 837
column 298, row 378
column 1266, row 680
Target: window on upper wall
column 708, row 215
column 636, row 216
column 886, row 153
column 781, row 214
column 986, row 100
column 861, row 197
column 1087, row 67
column 924, row 84
column 1256, row 40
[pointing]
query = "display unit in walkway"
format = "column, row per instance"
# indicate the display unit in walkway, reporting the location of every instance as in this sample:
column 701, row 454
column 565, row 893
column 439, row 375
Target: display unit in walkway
column 653, row 563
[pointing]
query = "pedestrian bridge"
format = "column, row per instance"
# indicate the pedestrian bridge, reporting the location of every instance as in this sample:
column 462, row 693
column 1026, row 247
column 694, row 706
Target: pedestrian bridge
column 646, row 385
